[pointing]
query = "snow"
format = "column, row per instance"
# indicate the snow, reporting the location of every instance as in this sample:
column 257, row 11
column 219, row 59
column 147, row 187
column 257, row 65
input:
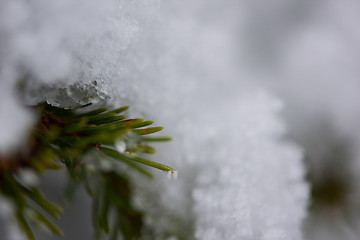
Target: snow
column 175, row 63
column 313, row 65
column 237, row 179
column 8, row 225
column 252, row 170
column 15, row 119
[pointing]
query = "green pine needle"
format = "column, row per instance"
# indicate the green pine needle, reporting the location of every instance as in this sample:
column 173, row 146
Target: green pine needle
column 61, row 140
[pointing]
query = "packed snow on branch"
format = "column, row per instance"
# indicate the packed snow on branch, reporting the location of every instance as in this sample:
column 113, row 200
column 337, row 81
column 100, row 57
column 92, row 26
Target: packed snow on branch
column 175, row 63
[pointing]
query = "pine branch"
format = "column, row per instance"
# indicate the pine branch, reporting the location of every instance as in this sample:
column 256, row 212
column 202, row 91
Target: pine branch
column 61, row 140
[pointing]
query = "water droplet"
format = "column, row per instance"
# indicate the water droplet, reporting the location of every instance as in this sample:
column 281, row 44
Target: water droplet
column 120, row 145
column 172, row 174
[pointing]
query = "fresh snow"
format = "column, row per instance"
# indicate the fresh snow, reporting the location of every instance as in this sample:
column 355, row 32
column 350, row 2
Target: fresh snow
column 175, row 63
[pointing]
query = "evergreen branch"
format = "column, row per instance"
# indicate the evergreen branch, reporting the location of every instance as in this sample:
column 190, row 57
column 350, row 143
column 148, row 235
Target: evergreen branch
column 62, row 138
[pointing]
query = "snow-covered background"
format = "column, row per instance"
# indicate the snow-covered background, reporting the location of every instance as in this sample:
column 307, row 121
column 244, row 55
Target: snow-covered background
column 261, row 98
